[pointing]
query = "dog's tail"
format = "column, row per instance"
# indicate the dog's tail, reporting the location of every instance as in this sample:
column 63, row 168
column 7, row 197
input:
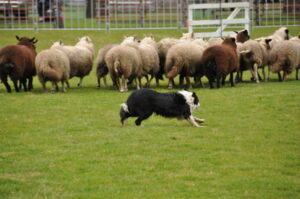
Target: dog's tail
column 124, row 113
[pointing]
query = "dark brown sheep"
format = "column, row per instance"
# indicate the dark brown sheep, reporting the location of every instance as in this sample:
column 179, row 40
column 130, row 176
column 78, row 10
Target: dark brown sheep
column 18, row 62
column 220, row 60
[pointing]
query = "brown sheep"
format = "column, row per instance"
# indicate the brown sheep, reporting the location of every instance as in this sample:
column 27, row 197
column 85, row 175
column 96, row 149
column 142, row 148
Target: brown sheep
column 17, row 62
column 220, row 60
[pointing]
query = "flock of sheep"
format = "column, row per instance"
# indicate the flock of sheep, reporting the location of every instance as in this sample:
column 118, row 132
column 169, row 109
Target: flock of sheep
column 131, row 60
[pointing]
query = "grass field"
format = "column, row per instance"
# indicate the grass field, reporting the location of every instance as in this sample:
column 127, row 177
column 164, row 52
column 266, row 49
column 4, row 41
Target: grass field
column 71, row 145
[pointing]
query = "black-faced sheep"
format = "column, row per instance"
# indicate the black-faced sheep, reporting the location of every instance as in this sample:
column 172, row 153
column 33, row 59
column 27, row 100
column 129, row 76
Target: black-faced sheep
column 285, row 56
column 17, row 62
column 253, row 55
column 220, row 60
column 80, row 57
column 53, row 65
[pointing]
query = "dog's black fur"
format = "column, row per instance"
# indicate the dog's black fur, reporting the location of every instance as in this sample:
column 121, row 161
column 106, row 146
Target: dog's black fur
column 144, row 102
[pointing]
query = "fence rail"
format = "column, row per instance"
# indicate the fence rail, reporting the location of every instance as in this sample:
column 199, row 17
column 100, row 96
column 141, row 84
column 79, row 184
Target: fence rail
column 135, row 14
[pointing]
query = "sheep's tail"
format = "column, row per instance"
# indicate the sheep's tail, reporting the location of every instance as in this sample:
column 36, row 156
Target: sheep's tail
column 48, row 73
column 117, row 67
column 174, row 71
column 4, row 63
column 124, row 113
column 210, row 65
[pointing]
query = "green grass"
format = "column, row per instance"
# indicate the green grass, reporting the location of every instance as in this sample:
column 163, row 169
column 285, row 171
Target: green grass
column 71, row 145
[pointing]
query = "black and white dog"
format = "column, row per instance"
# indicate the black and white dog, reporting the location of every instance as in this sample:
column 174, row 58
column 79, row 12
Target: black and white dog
column 142, row 103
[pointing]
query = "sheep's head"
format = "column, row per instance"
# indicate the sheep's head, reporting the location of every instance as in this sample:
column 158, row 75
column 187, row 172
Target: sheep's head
column 188, row 36
column 86, row 39
column 247, row 59
column 149, row 40
column 230, row 41
column 283, row 33
column 129, row 40
column 242, row 36
column 57, row 43
column 27, row 41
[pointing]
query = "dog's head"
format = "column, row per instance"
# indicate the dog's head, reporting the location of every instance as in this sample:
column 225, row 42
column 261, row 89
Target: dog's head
column 191, row 99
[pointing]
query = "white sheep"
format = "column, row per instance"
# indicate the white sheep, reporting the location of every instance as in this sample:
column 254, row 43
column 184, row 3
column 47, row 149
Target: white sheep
column 102, row 69
column 285, row 56
column 124, row 62
column 150, row 60
column 253, row 55
column 52, row 65
column 279, row 35
column 80, row 57
column 183, row 58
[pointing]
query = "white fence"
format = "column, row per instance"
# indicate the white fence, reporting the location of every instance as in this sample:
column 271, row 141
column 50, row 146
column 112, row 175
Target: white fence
column 221, row 23
column 136, row 14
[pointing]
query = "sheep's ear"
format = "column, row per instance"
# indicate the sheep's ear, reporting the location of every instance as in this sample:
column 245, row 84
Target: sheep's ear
column 236, row 32
column 35, row 41
column 18, row 38
column 299, row 36
column 268, row 41
column 61, row 42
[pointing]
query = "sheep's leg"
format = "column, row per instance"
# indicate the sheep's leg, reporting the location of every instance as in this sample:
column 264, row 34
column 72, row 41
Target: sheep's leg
column 98, row 80
column 119, row 86
column 16, row 85
column 104, row 82
column 279, row 77
column 23, row 81
column 191, row 119
column 53, row 87
column 44, row 86
column 30, row 86
column 170, row 84
column 149, row 82
column 181, row 79
column 255, row 67
column 223, row 80
column 210, row 80
column 188, row 82
column 67, row 82
column 139, row 83
column 237, row 76
column 285, row 75
column 269, row 71
column 231, row 79
column 123, row 83
column 63, row 86
column 80, row 82
column 4, row 81
column 264, row 74
column 297, row 70
column 157, row 81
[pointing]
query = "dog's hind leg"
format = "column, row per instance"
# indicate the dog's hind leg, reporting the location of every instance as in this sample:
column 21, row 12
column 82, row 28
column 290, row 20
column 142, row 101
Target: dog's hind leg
column 142, row 117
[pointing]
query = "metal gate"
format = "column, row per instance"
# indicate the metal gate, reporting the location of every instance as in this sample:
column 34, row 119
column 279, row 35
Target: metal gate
column 132, row 14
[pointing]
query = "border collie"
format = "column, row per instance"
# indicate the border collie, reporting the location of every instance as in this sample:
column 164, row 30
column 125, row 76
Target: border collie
column 142, row 103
